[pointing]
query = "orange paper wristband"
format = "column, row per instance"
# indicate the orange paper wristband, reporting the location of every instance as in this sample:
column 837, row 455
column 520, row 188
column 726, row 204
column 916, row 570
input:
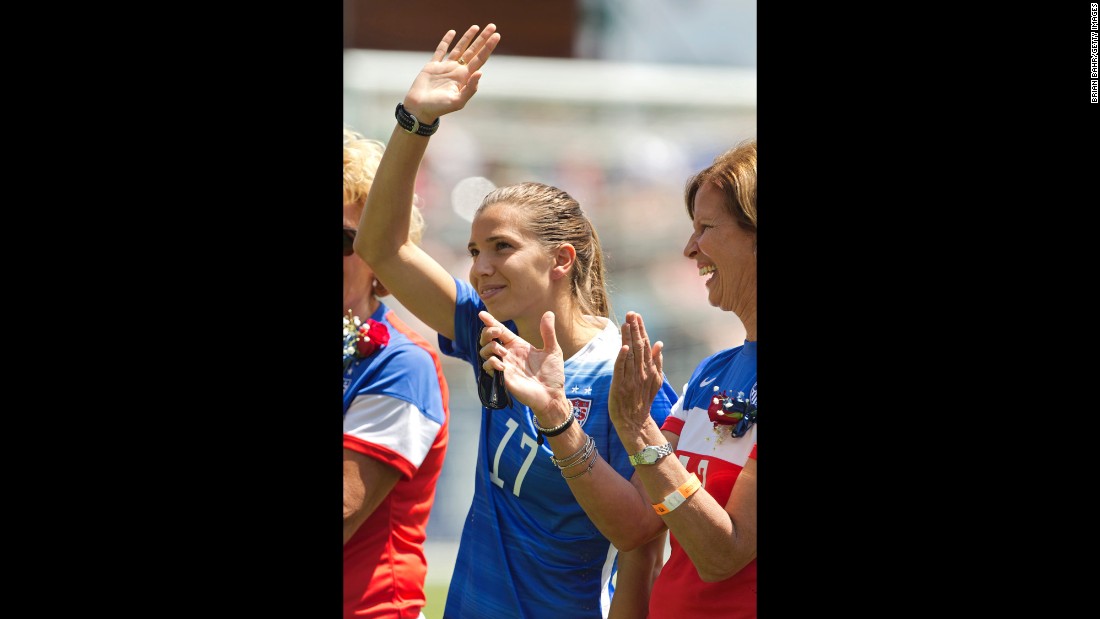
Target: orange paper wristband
column 675, row 498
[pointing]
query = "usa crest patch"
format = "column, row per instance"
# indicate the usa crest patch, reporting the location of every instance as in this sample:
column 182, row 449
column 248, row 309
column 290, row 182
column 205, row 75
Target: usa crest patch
column 580, row 409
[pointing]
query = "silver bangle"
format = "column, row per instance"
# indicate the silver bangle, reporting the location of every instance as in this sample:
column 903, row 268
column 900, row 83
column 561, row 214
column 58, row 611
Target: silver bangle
column 577, row 456
column 591, row 463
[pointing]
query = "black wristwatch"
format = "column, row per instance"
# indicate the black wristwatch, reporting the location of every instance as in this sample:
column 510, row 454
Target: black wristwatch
column 650, row 454
column 410, row 124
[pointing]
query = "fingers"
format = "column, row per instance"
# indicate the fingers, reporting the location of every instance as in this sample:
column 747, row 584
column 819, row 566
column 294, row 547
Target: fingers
column 493, row 351
column 492, row 364
column 639, row 347
column 479, row 53
column 494, row 329
column 658, row 358
column 463, row 43
column 549, row 336
column 620, row 361
column 469, row 51
column 637, row 350
column 441, row 49
column 646, row 352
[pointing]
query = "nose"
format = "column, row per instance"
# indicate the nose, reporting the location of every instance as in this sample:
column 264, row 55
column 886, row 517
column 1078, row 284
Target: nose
column 691, row 248
column 481, row 266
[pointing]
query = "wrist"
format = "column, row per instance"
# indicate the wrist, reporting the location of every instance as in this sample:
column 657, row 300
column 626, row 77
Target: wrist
column 557, row 412
column 556, row 422
column 635, row 436
column 416, row 123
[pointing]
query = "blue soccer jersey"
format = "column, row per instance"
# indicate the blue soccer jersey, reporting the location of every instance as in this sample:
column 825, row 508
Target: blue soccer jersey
column 528, row 550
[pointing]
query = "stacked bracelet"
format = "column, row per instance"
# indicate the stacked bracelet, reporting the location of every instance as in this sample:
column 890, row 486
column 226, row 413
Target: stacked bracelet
column 591, row 463
column 577, row 457
column 548, row 432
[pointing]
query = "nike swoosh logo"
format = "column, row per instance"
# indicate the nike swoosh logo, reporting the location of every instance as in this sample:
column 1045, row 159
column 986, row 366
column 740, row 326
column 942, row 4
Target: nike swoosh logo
column 707, row 381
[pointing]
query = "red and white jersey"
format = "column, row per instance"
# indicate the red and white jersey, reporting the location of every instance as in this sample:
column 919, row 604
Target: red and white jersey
column 395, row 411
column 712, row 452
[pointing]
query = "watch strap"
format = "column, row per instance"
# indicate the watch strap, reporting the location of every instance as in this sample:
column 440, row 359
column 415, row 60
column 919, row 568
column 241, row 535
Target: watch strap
column 662, row 451
column 411, row 124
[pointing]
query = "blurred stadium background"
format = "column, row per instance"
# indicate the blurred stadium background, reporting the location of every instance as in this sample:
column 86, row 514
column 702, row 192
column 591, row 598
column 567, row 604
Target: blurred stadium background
column 616, row 102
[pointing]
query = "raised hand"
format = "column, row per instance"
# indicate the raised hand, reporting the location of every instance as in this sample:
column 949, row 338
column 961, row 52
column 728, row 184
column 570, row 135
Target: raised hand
column 638, row 375
column 448, row 81
column 535, row 377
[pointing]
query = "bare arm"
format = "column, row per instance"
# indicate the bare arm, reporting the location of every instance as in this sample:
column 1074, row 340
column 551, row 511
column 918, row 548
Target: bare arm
column 720, row 540
column 420, row 283
column 366, row 484
column 638, row 570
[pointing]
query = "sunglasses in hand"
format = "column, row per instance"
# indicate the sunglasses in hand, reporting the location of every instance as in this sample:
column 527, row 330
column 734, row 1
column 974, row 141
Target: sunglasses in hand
column 490, row 388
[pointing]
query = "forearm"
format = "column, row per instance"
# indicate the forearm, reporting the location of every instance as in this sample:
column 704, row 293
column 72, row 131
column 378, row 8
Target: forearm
column 708, row 535
column 718, row 543
column 611, row 501
column 367, row 483
column 384, row 225
column 638, row 570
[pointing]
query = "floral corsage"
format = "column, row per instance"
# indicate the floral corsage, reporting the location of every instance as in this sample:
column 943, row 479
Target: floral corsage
column 362, row 340
column 731, row 411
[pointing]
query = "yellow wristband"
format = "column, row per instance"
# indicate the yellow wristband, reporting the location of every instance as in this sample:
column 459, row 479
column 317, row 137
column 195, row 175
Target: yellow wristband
column 674, row 499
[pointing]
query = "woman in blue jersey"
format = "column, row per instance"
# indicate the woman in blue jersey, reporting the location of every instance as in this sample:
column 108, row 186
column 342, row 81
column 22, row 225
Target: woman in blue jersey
column 706, row 494
column 528, row 549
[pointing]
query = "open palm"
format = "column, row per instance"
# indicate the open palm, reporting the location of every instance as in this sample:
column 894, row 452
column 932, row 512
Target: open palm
column 535, row 377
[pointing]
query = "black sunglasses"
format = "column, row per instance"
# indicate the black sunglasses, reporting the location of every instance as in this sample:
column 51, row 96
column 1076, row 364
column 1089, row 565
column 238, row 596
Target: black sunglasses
column 490, row 388
column 349, row 242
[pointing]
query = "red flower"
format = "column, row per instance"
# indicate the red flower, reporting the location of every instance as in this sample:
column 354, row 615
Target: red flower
column 372, row 336
column 723, row 410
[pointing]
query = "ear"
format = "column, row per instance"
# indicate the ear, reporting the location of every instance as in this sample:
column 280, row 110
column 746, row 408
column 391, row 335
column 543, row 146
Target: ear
column 564, row 258
column 379, row 288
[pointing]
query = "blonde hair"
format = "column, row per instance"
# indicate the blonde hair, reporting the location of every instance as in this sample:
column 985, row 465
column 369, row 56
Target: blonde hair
column 361, row 157
column 554, row 218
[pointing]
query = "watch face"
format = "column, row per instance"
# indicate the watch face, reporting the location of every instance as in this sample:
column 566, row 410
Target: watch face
column 649, row 455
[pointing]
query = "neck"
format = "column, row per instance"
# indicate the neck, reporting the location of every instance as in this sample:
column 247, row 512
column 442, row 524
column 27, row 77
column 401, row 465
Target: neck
column 362, row 307
column 572, row 333
column 750, row 326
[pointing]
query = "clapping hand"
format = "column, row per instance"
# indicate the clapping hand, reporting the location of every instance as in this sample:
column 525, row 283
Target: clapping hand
column 638, row 376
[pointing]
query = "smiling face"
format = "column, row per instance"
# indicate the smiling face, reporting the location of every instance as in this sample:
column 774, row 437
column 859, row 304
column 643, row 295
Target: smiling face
column 510, row 270
column 724, row 251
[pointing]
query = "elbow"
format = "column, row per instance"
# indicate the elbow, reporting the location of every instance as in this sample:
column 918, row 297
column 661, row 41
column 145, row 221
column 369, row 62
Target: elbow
column 711, row 575
column 718, row 571
column 350, row 512
column 626, row 544
column 625, row 541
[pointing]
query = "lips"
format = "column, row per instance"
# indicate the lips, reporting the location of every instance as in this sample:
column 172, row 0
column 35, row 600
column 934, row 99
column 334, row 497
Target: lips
column 488, row 292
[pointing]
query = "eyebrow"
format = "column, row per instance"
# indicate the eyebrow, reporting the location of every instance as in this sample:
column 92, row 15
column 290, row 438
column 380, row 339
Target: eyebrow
column 488, row 241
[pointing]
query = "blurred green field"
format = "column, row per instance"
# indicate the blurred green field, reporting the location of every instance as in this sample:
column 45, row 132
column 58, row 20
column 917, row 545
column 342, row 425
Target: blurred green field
column 437, row 599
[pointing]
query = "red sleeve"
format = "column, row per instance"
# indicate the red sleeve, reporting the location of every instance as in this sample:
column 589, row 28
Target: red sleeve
column 753, row 453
